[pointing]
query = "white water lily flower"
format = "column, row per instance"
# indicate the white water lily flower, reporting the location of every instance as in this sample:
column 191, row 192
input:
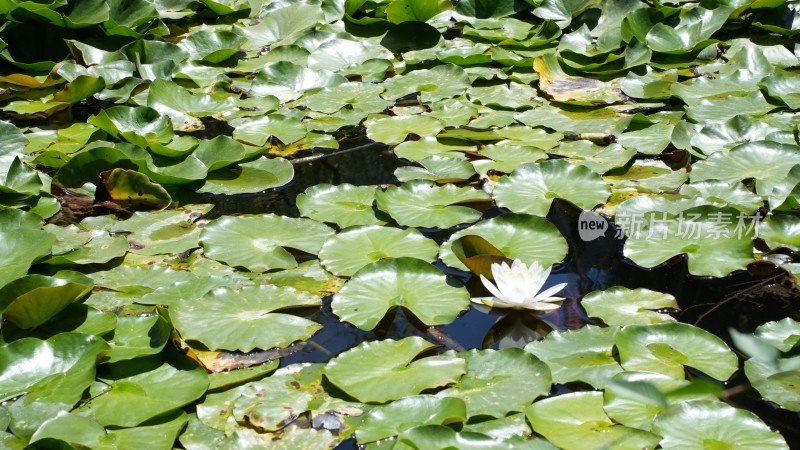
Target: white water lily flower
column 518, row 287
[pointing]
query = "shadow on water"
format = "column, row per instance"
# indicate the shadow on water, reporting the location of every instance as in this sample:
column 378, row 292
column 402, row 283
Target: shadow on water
column 742, row 300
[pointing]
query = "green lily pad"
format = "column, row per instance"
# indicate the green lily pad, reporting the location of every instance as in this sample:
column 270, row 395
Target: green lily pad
column 651, row 140
column 133, row 190
column 259, row 243
column 160, row 232
column 140, row 125
column 382, row 371
column 599, row 158
column 499, row 382
column 32, row 300
column 182, row 106
column 721, row 193
column 394, row 130
column 136, row 336
column 517, row 236
column 66, row 361
column 19, row 249
column 257, row 132
column 506, row 156
column 785, row 86
column 287, row 81
column 85, row 246
column 565, row 88
column 775, row 382
column 721, row 426
column 364, row 97
column 135, row 391
column 398, row 416
column 212, row 45
column 83, row 431
column 667, row 347
column 241, row 320
column 782, row 334
column 438, row 436
column 584, row 355
column 347, row 252
column 190, row 289
column 139, row 280
column 403, row 282
column 308, row 276
column 709, row 110
column 781, row 230
column 712, row 138
column 421, row 204
column 428, row 146
column 645, row 176
column 577, row 421
column 531, row 188
column 717, row 241
column 251, row 177
column 437, row 168
column 635, row 398
column 438, row 83
column 619, row 305
column 345, row 205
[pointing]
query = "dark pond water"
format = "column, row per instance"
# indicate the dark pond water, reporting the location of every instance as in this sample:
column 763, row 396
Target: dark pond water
column 743, row 300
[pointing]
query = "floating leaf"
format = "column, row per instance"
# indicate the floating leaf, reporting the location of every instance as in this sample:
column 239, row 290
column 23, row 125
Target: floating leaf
column 622, row 306
column 707, row 110
column 419, row 204
column 394, row 130
column 571, row 89
column 19, row 248
column 531, row 188
column 251, row 177
column 577, row 420
column 85, row 246
column 782, row 334
column 136, row 336
column 781, row 230
column 382, row 371
column 415, row 10
column 635, row 398
column 703, row 423
column 403, row 282
column 66, row 361
column 260, row 242
column 212, row 45
column 354, row 248
column 161, row 232
column 133, row 190
column 32, row 300
column 244, row 320
column 579, row 355
column 437, row 168
column 667, row 347
column 345, row 205
column 137, row 390
column 517, row 236
column 445, row 81
column 499, row 382
column 398, row 416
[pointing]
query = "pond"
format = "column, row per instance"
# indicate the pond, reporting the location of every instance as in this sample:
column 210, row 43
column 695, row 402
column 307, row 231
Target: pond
column 399, row 224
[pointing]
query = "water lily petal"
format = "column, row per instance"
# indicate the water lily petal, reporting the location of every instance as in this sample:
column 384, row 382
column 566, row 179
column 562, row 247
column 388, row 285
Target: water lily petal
column 542, row 306
column 491, row 287
column 550, row 291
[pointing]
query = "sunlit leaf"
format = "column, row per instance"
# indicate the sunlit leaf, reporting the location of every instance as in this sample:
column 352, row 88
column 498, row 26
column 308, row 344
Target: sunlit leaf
column 245, row 319
column 404, row 282
column 383, row 370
